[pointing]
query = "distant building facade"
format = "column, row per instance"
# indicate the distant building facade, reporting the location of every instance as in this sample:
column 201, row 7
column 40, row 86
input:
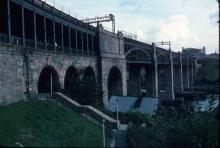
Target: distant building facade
column 194, row 52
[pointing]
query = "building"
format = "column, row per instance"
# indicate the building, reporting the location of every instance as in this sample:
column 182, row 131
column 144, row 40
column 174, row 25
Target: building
column 194, row 52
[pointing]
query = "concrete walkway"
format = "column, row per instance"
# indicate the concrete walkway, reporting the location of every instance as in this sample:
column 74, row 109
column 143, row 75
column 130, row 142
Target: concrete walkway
column 120, row 136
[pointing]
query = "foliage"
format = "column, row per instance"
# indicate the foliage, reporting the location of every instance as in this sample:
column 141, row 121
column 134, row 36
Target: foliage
column 173, row 128
column 135, row 118
column 91, row 93
column 45, row 124
column 73, row 90
column 130, row 117
column 208, row 76
column 86, row 91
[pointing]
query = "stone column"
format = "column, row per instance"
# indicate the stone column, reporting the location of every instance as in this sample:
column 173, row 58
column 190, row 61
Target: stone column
column 87, row 43
column 82, row 42
column 181, row 72
column 23, row 27
column 155, row 89
column 35, row 31
column 54, row 35
column 45, row 32
column 62, row 44
column 69, row 39
column 171, row 77
column 92, row 46
column 76, row 42
column 9, row 22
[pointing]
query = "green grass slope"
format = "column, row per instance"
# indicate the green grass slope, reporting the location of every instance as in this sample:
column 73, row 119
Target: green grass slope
column 45, row 124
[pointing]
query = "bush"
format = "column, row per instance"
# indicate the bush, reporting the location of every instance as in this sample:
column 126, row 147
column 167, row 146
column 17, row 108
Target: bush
column 86, row 91
column 174, row 129
column 135, row 118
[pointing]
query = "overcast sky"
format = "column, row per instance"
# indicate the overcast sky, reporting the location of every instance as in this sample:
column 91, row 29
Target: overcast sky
column 187, row 23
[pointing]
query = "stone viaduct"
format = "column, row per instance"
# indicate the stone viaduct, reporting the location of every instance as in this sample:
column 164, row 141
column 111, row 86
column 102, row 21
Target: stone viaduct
column 42, row 47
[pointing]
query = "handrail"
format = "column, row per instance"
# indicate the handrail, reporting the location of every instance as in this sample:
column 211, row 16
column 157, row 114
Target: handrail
column 86, row 109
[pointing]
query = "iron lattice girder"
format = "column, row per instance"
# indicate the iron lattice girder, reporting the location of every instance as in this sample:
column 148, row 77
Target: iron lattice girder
column 106, row 18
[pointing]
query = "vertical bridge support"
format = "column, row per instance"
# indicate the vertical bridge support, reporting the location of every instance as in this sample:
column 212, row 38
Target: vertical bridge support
column 155, row 89
column 171, row 76
column 181, row 72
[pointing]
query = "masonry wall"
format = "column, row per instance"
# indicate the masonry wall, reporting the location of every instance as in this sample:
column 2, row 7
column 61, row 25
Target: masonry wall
column 60, row 62
column 13, row 70
column 112, row 53
column 12, row 83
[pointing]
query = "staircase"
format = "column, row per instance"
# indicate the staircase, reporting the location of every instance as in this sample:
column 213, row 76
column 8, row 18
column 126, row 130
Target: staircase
column 87, row 110
column 138, row 102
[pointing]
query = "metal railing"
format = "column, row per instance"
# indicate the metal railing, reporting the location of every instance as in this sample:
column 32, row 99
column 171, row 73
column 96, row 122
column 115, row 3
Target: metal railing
column 50, row 47
column 16, row 40
column 85, row 109
column 67, row 50
column 29, row 43
column 40, row 45
column 3, row 38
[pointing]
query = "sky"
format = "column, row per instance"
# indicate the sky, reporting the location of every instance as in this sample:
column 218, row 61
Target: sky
column 186, row 23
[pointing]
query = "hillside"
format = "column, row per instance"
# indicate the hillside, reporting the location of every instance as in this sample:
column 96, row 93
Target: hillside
column 45, row 124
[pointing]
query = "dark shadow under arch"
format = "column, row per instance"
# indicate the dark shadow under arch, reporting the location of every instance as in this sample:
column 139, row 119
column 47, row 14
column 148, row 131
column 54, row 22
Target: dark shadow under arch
column 114, row 82
column 89, row 74
column 163, row 79
column 71, row 79
column 162, row 59
column 48, row 77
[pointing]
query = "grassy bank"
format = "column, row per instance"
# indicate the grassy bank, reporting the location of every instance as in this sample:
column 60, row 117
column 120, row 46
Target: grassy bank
column 45, row 124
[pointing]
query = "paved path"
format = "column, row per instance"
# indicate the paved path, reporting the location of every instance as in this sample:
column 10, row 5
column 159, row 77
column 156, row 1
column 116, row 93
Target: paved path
column 120, row 136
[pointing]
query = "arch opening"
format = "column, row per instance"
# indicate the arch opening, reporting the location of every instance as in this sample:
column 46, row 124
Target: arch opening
column 89, row 74
column 48, row 81
column 138, row 55
column 162, row 59
column 71, row 80
column 114, row 83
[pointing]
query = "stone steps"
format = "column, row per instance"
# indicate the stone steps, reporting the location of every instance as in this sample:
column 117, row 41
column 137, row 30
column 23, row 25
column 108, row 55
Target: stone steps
column 87, row 110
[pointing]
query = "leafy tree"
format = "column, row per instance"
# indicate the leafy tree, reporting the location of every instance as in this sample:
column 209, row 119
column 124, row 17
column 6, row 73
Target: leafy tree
column 86, row 91
column 208, row 73
column 192, row 129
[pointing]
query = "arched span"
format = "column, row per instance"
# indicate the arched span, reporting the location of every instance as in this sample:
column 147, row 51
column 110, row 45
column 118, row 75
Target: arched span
column 72, row 83
column 114, row 82
column 71, row 79
column 162, row 58
column 89, row 73
column 138, row 54
column 176, row 59
column 48, row 80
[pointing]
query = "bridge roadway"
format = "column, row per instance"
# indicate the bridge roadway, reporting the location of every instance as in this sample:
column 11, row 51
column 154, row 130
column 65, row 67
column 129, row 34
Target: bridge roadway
column 42, row 49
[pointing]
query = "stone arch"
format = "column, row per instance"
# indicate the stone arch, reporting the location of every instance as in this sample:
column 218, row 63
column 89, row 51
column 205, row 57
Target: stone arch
column 138, row 54
column 115, row 82
column 71, row 79
column 162, row 58
column 48, row 80
column 89, row 73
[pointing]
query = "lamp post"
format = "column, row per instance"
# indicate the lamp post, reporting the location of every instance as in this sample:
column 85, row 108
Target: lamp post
column 117, row 112
column 103, row 131
column 51, row 83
